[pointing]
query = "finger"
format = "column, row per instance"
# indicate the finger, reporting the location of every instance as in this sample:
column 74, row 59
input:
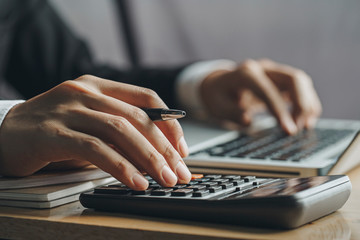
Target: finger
column 147, row 128
column 306, row 103
column 265, row 89
column 119, row 132
column 140, row 97
column 85, row 147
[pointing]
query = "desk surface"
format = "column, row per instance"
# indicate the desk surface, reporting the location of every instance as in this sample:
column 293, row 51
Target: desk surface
column 72, row 221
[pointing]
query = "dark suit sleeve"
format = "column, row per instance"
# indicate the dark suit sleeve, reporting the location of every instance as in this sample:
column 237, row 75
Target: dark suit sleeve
column 45, row 52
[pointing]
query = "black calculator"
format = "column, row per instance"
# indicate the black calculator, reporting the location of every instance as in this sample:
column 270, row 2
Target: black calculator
column 229, row 199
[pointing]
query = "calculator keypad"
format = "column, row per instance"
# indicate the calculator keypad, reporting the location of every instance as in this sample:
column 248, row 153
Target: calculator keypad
column 201, row 186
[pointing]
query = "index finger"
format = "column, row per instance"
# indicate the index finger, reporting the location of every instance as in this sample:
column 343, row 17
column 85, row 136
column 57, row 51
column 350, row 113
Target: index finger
column 307, row 105
column 266, row 90
column 142, row 98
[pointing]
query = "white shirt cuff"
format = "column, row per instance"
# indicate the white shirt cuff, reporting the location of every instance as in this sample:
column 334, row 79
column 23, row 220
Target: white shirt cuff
column 5, row 106
column 190, row 79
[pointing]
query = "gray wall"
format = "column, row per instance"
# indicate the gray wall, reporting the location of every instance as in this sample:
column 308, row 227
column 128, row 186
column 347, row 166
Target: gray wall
column 322, row 37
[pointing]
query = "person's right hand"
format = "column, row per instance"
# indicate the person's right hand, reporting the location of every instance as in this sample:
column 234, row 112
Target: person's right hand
column 97, row 121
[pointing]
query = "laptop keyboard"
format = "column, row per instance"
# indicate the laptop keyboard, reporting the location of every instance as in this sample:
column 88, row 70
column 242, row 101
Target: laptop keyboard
column 274, row 144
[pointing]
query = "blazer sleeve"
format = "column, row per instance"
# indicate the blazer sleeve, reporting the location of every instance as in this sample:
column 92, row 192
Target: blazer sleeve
column 44, row 52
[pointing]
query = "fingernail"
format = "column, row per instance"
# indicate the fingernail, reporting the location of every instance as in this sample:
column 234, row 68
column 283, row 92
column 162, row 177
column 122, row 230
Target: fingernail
column 183, row 147
column 183, row 172
column 291, row 127
column 300, row 123
column 168, row 176
column 139, row 181
column 311, row 122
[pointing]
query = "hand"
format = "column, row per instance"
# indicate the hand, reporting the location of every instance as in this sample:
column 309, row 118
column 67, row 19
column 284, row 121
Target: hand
column 254, row 85
column 93, row 120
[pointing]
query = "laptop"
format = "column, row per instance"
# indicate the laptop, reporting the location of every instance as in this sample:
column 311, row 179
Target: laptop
column 332, row 147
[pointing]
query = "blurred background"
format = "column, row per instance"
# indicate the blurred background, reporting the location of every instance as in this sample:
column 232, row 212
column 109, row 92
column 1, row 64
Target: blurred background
column 321, row 37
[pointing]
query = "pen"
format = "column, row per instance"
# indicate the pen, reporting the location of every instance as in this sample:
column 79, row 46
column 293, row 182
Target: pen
column 162, row 114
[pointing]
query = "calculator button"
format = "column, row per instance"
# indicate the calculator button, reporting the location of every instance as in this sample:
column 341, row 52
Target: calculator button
column 196, row 176
column 182, row 192
column 256, row 183
column 152, row 182
column 193, row 183
column 179, row 186
column 118, row 185
column 201, row 193
column 200, row 180
column 213, row 176
column 249, row 178
column 232, row 177
column 226, row 185
column 238, row 182
column 142, row 192
column 112, row 190
column 161, row 192
column 197, row 187
column 209, row 184
column 155, row 185
column 221, row 180
column 214, row 189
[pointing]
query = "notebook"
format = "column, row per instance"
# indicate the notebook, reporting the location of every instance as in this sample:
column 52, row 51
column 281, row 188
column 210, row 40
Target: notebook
column 45, row 178
column 332, row 147
column 49, row 196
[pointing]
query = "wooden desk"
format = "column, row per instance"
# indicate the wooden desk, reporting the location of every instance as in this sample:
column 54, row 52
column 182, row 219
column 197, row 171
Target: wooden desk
column 72, row 221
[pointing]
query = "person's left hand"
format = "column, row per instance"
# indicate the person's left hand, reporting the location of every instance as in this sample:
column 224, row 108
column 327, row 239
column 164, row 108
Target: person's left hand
column 254, row 85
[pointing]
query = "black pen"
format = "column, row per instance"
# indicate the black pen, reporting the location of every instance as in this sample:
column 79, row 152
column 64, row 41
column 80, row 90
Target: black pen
column 162, row 114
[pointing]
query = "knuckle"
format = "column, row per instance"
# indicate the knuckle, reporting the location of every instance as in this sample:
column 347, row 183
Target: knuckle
column 317, row 109
column 153, row 158
column 69, row 84
column 121, row 166
column 299, row 76
column 150, row 96
column 248, row 65
column 176, row 129
column 74, row 87
column 54, row 130
column 139, row 115
column 85, row 77
column 119, row 124
column 265, row 61
column 168, row 152
column 92, row 143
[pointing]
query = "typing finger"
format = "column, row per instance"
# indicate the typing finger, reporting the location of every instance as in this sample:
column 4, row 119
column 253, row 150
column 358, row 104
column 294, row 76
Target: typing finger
column 256, row 79
column 142, row 98
column 84, row 147
column 139, row 119
column 137, row 149
column 306, row 103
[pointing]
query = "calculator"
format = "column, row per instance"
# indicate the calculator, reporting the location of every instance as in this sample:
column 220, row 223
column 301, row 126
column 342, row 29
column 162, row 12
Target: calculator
column 229, row 199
